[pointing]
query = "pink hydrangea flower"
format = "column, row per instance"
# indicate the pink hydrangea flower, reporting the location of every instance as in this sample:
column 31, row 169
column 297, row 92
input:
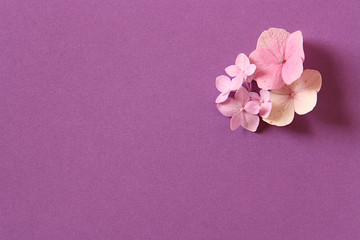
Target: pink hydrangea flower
column 299, row 97
column 225, row 86
column 242, row 111
column 278, row 57
column 242, row 68
column 264, row 101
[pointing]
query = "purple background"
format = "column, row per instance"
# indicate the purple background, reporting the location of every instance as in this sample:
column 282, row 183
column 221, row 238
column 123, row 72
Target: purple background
column 109, row 130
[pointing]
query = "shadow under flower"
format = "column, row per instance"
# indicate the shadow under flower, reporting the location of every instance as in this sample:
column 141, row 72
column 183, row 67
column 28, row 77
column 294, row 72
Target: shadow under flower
column 300, row 125
column 329, row 108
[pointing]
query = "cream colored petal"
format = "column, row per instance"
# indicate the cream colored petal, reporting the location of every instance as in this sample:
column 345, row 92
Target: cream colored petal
column 285, row 90
column 282, row 111
column 310, row 80
column 305, row 101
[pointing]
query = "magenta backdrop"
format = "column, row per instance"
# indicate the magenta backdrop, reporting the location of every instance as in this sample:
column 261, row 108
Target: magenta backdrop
column 109, row 130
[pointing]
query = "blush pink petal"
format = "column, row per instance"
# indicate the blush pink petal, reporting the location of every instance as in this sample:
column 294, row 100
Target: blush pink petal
column 282, row 110
column 237, row 120
column 223, row 83
column 274, row 39
column 273, row 80
column 268, row 69
column 265, row 109
column 252, row 107
column 278, row 57
column 222, row 97
column 263, row 56
column 305, row 102
column 229, row 107
column 249, row 78
column 292, row 69
column 242, row 61
column 242, row 96
column 254, row 96
column 265, row 95
column 232, row 70
column 250, row 69
column 270, row 78
column 250, row 121
column 294, row 46
column 237, row 82
column 246, row 120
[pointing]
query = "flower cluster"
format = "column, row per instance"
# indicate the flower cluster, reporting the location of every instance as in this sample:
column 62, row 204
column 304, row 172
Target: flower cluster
column 276, row 65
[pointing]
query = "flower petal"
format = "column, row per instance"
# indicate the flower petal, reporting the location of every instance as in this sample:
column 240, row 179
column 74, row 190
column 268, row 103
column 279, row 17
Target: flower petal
column 223, row 83
column 274, row 39
column 294, row 46
column 305, row 101
column 236, row 120
column 232, row 70
column 250, row 122
column 222, row 97
column 229, row 107
column 237, row 82
column 265, row 95
column 242, row 96
column 285, row 90
column 310, row 80
column 263, row 56
column 270, row 78
column 265, row 109
column 250, row 69
column 292, row 69
column 254, row 96
column 268, row 69
column 249, row 78
column 282, row 111
column 252, row 107
column 242, row 61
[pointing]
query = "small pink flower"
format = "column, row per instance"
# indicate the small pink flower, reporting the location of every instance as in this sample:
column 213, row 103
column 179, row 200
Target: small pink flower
column 242, row 111
column 242, row 68
column 299, row 97
column 279, row 58
column 225, row 86
column 264, row 102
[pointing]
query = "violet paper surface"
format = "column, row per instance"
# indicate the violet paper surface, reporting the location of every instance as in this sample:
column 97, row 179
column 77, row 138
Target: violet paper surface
column 108, row 127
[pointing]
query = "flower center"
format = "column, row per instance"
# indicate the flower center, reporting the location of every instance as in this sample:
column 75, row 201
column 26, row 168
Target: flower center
column 292, row 94
column 282, row 61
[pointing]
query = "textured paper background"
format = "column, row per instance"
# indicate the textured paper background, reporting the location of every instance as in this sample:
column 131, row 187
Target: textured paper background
column 108, row 127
